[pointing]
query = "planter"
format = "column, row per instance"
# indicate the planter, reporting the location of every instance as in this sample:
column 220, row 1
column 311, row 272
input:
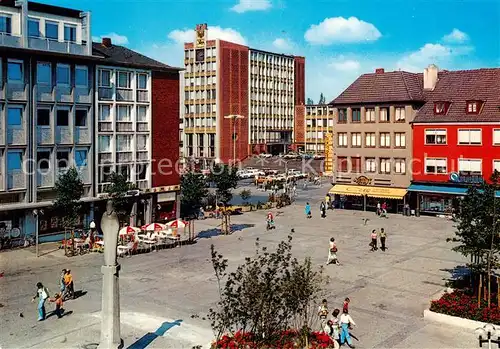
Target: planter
column 452, row 320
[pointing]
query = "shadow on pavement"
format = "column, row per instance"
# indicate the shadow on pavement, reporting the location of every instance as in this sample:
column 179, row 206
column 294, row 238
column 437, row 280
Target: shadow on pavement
column 149, row 337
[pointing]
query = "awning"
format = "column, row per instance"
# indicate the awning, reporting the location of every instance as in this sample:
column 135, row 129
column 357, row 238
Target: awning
column 374, row 192
column 442, row 189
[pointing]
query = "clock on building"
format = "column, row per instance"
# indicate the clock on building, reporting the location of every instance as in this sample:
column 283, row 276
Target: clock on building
column 200, row 55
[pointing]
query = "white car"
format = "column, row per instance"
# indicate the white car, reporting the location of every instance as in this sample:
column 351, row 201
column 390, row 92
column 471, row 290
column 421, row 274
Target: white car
column 265, row 155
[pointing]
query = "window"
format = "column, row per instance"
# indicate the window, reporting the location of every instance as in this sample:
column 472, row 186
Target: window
column 43, row 117
column 62, row 159
column 370, row 165
column 14, row 116
column 81, row 76
column 43, row 74
column 104, row 78
column 342, row 139
column 385, row 140
column 123, row 113
column 105, row 174
column 15, row 71
column 342, row 115
column 43, row 160
column 342, row 164
column 435, row 136
column 469, row 136
column 142, row 141
column 81, row 117
column 33, row 27
column 435, row 166
column 400, row 140
column 473, row 107
column 213, row 94
column 356, row 165
column 142, row 112
column 385, row 166
column 123, row 79
column 400, row 114
column 142, row 81
column 62, row 117
column 69, row 33
column 104, row 143
column 370, row 115
column 104, row 112
column 440, row 108
column 356, row 140
column 52, row 30
column 400, row 166
column 469, row 166
column 370, row 141
column 356, row 115
column 496, row 137
column 14, row 160
column 384, row 115
column 81, row 158
column 496, row 165
column 5, row 24
column 63, row 74
column 123, row 143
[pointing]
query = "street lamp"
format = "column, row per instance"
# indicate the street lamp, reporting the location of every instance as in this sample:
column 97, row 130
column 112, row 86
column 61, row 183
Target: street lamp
column 36, row 214
column 485, row 333
column 234, row 117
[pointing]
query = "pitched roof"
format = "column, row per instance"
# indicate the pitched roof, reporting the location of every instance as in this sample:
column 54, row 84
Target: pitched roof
column 458, row 87
column 396, row 86
column 123, row 56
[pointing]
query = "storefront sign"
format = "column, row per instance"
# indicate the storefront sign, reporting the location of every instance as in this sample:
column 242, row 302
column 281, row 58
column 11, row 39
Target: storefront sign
column 362, row 180
column 469, row 179
column 328, row 153
column 165, row 197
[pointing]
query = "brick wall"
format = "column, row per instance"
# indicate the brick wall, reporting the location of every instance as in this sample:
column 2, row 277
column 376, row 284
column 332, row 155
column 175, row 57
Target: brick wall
column 299, row 125
column 165, row 128
column 233, row 99
column 300, row 78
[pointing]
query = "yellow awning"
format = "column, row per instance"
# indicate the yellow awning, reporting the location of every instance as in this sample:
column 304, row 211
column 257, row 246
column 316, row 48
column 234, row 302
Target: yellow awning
column 374, row 192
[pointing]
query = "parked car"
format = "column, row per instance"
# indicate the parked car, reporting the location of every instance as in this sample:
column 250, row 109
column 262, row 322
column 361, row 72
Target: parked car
column 265, row 155
column 291, row 155
column 318, row 157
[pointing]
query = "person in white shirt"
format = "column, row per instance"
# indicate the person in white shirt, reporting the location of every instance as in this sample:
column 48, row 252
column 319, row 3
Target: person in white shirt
column 42, row 294
column 323, row 313
column 345, row 322
column 332, row 328
column 332, row 253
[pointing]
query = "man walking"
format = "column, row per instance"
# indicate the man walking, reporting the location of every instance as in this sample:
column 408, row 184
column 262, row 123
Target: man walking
column 322, row 208
column 383, row 236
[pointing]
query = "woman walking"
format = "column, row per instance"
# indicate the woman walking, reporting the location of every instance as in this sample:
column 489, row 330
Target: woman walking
column 42, row 294
column 322, row 208
column 332, row 252
column 346, row 321
column 373, row 244
column 307, row 210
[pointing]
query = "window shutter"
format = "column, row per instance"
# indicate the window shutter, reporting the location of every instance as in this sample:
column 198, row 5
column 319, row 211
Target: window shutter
column 475, row 136
column 463, row 136
column 496, row 136
column 475, row 165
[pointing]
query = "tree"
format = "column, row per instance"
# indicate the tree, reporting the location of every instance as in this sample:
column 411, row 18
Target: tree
column 118, row 193
column 194, row 190
column 69, row 190
column 309, row 101
column 478, row 229
column 269, row 293
column 322, row 100
column 225, row 178
column 245, row 194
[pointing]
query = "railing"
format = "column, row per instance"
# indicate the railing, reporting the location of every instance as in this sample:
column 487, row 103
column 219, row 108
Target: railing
column 142, row 96
column 63, row 135
column 105, row 93
column 105, row 126
column 44, row 135
column 10, row 40
column 124, row 157
column 45, row 44
column 124, row 126
column 142, row 155
column 16, row 91
column 124, row 94
column 105, row 158
column 16, row 180
column 142, row 127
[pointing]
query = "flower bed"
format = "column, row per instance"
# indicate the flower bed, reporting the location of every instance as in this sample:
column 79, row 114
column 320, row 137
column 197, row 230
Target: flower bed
column 465, row 306
column 285, row 340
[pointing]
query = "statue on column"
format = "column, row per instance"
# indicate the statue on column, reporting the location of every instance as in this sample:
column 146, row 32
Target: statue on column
column 109, row 226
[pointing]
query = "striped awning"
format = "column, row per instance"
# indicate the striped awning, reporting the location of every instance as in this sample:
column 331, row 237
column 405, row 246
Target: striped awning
column 370, row 191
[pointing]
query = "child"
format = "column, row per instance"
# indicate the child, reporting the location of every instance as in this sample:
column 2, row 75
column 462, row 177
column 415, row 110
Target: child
column 345, row 307
column 323, row 313
column 373, row 244
column 58, row 303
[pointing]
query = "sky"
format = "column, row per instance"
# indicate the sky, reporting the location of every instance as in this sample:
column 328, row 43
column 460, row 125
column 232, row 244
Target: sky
column 341, row 39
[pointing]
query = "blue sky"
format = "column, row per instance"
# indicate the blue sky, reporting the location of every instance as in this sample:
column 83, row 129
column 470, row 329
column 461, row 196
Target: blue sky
column 340, row 39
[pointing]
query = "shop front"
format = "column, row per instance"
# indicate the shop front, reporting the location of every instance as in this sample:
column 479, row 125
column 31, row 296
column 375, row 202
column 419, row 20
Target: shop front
column 166, row 203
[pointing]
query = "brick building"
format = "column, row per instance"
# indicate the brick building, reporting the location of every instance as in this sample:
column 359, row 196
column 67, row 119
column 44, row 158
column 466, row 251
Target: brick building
column 237, row 101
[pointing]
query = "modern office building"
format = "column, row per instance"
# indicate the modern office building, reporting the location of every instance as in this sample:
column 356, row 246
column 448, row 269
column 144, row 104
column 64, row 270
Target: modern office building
column 67, row 102
column 319, row 121
column 237, row 100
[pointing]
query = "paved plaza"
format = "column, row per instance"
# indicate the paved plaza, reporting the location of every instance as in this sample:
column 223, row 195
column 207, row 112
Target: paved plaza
column 161, row 291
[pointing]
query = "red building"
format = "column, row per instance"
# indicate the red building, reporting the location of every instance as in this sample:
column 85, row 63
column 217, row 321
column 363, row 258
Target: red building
column 456, row 136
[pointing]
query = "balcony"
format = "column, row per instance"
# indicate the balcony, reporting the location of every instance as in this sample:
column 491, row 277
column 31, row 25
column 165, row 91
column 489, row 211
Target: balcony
column 123, row 94
column 105, row 126
column 142, row 96
column 142, row 155
column 16, row 136
column 16, row 180
column 105, row 93
column 10, row 40
column 44, row 44
column 124, row 156
column 142, row 127
column 105, row 158
column 45, row 178
column 82, row 95
column 44, row 93
column 64, row 94
column 44, row 135
column 64, row 135
column 82, row 135
column 16, row 91
column 124, row 126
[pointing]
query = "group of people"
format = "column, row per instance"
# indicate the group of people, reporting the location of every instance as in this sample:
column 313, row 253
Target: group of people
column 382, row 209
column 337, row 327
column 383, row 237
column 67, row 291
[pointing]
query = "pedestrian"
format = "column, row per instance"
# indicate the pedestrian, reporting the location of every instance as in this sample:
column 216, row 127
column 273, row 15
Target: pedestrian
column 383, row 237
column 332, row 252
column 373, row 244
column 308, row 210
column 328, row 201
column 346, row 322
column 345, row 306
column 322, row 208
column 323, row 313
column 61, row 281
column 42, row 293
column 69, row 285
column 378, row 208
column 334, row 329
column 58, row 303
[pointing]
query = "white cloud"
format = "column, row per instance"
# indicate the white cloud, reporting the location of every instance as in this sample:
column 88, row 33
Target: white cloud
column 341, row 30
column 456, row 36
column 283, row 44
column 116, row 39
column 226, row 34
column 345, row 65
column 251, row 5
column 439, row 54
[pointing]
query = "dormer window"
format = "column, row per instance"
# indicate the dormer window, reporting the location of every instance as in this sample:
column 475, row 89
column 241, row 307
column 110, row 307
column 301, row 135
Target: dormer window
column 440, row 108
column 473, row 107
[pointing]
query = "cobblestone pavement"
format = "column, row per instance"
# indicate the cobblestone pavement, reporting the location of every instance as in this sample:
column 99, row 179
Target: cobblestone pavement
column 161, row 290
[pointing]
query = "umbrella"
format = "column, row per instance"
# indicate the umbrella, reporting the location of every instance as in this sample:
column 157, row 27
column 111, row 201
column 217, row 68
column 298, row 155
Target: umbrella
column 178, row 223
column 129, row 230
column 153, row 227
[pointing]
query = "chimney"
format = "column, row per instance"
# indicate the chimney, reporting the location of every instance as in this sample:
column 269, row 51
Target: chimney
column 106, row 42
column 379, row 71
column 430, row 77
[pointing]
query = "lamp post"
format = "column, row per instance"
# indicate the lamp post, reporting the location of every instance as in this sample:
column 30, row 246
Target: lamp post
column 485, row 333
column 234, row 117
